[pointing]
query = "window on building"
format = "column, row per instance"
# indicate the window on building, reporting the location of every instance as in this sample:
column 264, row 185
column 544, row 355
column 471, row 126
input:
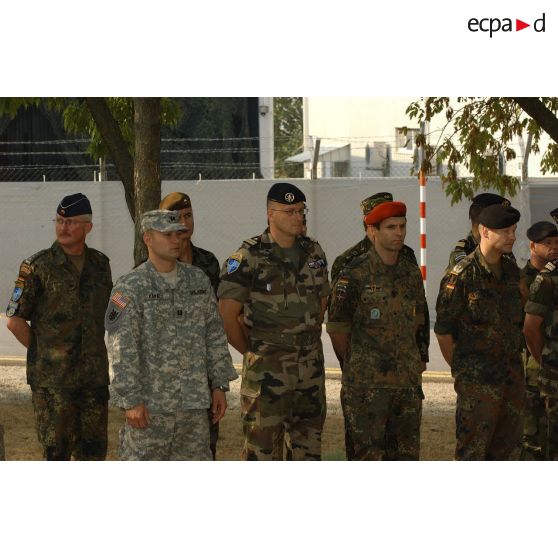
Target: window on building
column 405, row 138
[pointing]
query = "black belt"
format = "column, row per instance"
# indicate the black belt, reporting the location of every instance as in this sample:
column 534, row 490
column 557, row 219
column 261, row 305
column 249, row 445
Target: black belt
column 297, row 339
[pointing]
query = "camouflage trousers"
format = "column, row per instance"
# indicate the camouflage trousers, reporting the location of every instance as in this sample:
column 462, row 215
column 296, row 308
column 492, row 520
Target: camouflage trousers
column 283, row 390
column 489, row 420
column 71, row 422
column 183, row 436
column 382, row 423
column 535, row 426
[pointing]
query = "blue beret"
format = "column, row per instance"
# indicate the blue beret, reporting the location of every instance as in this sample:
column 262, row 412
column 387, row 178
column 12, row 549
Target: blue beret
column 73, row 205
column 285, row 193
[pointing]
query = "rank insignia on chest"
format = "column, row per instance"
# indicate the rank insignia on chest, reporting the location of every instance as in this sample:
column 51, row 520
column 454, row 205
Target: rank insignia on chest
column 118, row 299
column 375, row 314
column 268, row 287
column 373, row 288
column 154, row 296
column 316, row 264
column 233, row 263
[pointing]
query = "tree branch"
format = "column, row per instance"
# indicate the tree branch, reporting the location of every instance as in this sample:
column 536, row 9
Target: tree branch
column 536, row 109
column 114, row 140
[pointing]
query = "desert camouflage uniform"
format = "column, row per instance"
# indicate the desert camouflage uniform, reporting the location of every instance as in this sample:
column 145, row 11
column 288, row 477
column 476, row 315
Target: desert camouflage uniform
column 535, row 427
column 67, row 365
column 208, row 263
column 165, row 343
column 484, row 316
column 382, row 308
column 543, row 302
column 340, row 262
column 283, row 380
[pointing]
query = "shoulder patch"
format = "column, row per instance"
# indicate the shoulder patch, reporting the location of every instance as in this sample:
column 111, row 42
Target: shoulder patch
column 118, row 299
column 233, row 263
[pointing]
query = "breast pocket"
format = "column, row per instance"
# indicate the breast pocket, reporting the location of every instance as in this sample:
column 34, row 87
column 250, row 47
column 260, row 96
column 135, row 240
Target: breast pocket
column 373, row 309
column 481, row 307
column 269, row 280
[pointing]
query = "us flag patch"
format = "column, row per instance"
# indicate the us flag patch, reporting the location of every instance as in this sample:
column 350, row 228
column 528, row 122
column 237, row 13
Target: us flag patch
column 119, row 300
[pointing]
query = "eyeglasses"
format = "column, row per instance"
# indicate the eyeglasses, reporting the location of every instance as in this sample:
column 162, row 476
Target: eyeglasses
column 293, row 212
column 69, row 222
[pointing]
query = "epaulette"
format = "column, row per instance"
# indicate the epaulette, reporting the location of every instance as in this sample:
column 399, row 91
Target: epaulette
column 461, row 243
column 36, row 256
column 99, row 254
column 356, row 261
column 252, row 241
column 457, row 269
column 549, row 267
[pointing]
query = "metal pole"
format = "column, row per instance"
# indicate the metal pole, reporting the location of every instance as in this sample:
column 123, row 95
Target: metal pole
column 422, row 210
column 315, row 159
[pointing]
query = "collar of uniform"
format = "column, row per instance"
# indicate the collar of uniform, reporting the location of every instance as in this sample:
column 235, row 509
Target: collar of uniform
column 484, row 266
column 160, row 281
column 471, row 239
column 60, row 256
column 267, row 238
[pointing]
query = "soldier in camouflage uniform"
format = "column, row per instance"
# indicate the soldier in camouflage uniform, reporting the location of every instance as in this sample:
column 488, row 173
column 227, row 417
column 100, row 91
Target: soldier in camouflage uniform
column 277, row 282
column 478, row 326
column 63, row 292
column 362, row 247
column 540, row 334
column 376, row 310
column 166, row 344
column 467, row 245
column 204, row 259
column 543, row 237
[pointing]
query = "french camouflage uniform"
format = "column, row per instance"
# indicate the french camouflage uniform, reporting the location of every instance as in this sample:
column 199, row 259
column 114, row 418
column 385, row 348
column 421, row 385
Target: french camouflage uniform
column 165, row 343
column 208, row 263
column 382, row 308
column 543, row 302
column 341, row 262
column 484, row 316
column 535, row 427
column 283, row 379
column 465, row 247
column 67, row 365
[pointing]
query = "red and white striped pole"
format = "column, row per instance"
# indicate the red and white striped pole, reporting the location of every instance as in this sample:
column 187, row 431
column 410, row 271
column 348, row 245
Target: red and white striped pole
column 422, row 212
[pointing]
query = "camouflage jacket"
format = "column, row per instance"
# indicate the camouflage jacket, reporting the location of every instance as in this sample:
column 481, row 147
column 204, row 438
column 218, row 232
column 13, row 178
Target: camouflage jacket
column 381, row 308
column 166, row 342
column 526, row 277
column 543, row 302
column 208, row 263
column 484, row 316
column 277, row 297
column 465, row 247
column 65, row 310
column 361, row 247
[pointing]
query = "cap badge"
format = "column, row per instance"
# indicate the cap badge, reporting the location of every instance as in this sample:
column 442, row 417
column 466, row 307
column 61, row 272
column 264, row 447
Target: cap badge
column 289, row 197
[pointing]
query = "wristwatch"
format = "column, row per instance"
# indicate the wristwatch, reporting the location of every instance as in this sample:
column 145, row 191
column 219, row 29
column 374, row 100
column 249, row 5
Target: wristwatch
column 222, row 388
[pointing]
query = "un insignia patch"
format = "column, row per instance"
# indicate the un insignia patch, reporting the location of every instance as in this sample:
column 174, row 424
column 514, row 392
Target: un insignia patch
column 16, row 295
column 233, row 263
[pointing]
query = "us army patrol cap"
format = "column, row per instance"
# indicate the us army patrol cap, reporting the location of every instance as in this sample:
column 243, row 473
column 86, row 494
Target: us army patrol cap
column 541, row 230
column 73, row 205
column 486, row 199
column 383, row 207
column 499, row 216
column 285, row 193
column 175, row 201
column 554, row 214
column 161, row 220
column 371, row 202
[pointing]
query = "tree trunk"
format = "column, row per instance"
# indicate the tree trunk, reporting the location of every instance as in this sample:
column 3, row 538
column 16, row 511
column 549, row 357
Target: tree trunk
column 536, row 109
column 147, row 167
column 114, row 140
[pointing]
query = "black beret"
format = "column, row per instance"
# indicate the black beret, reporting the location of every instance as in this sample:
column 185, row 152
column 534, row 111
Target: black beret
column 541, row 230
column 499, row 216
column 285, row 193
column 73, row 205
column 486, row 199
column 554, row 214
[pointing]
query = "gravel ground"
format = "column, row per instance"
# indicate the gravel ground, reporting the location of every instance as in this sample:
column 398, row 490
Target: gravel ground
column 439, row 395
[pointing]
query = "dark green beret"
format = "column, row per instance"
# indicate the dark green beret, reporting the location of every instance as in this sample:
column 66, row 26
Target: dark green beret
column 541, row 230
column 285, row 193
column 499, row 216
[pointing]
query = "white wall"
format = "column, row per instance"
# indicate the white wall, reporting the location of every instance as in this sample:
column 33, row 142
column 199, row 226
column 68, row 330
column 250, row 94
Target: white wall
column 227, row 212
